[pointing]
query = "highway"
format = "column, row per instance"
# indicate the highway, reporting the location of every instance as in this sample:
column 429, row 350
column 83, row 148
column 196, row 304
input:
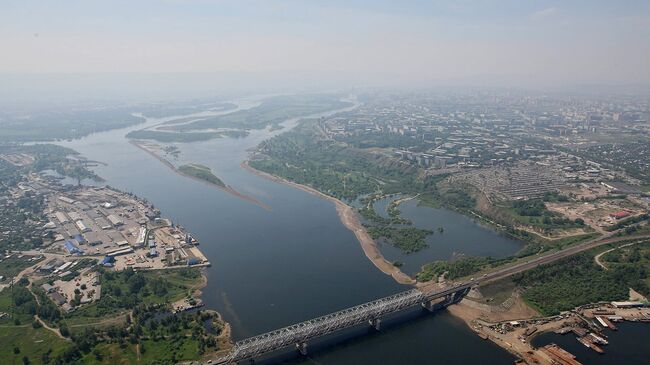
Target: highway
column 548, row 258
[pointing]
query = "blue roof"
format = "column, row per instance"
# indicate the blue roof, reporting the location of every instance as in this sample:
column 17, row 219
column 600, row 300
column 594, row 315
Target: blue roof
column 107, row 260
column 72, row 248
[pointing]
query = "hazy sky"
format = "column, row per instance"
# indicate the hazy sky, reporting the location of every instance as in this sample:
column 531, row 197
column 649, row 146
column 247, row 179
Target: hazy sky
column 540, row 42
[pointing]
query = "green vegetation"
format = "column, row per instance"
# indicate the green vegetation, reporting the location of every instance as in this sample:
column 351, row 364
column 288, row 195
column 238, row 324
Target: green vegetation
column 35, row 344
column 11, row 266
column 21, row 304
column 408, row 239
column 272, row 111
column 19, row 228
column 202, row 173
column 369, row 213
column 497, row 292
column 574, row 281
column 628, row 155
column 464, row 266
column 152, row 335
column 533, row 212
column 553, row 196
column 126, row 289
column 628, row 222
column 635, row 261
column 302, row 156
column 46, row 157
column 51, row 125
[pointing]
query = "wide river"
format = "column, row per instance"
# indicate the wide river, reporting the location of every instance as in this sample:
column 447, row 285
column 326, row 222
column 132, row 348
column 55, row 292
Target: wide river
column 272, row 268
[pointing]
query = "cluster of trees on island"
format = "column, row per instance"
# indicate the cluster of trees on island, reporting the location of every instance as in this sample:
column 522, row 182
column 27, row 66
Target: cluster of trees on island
column 201, row 172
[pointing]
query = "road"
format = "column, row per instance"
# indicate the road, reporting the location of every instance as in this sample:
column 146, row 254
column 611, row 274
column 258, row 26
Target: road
column 545, row 259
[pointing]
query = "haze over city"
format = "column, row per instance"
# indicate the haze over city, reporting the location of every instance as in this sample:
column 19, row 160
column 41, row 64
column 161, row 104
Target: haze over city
column 335, row 182
column 534, row 44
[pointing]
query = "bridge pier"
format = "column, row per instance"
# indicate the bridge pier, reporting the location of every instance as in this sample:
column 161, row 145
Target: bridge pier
column 434, row 305
column 302, row 348
column 375, row 323
column 459, row 295
column 300, row 333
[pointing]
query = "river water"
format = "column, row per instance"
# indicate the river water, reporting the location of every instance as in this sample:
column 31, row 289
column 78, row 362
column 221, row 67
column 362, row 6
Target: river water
column 272, row 268
column 461, row 236
column 628, row 345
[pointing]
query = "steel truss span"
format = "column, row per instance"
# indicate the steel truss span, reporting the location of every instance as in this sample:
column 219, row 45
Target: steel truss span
column 298, row 334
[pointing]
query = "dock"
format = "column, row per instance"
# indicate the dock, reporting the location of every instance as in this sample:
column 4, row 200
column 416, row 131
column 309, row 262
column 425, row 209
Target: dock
column 560, row 355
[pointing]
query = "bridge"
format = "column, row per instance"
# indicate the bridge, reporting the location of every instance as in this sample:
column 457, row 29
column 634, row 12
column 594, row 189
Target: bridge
column 372, row 312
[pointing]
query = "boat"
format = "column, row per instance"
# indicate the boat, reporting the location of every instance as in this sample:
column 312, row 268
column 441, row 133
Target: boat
column 598, row 339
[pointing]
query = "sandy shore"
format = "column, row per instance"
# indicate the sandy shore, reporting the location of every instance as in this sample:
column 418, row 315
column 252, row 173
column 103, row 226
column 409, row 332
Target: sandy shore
column 350, row 220
column 227, row 188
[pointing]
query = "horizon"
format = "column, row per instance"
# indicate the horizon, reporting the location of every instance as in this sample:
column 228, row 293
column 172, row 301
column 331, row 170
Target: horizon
column 243, row 45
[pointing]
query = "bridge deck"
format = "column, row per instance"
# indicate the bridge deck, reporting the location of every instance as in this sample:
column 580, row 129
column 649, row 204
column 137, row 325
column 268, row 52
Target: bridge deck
column 302, row 332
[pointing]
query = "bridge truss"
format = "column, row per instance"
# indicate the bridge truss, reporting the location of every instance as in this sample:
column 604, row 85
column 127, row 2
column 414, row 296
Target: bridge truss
column 371, row 312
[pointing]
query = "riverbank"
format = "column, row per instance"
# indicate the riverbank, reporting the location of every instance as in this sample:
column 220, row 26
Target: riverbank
column 224, row 339
column 153, row 152
column 349, row 218
column 514, row 327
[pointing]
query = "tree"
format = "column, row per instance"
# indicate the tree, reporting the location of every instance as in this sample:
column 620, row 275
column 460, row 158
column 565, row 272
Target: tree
column 64, row 331
column 98, row 355
column 136, row 282
column 45, row 358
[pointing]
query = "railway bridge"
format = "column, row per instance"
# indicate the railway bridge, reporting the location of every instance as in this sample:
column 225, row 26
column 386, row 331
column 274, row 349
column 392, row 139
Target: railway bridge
column 298, row 334
column 372, row 312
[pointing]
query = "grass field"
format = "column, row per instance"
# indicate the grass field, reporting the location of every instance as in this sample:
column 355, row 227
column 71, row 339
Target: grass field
column 13, row 265
column 32, row 343
column 497, row 292
column 151, row 352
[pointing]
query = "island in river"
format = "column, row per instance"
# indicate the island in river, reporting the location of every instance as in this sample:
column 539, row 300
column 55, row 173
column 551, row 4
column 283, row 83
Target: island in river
column 201, row 172
column 251, row 318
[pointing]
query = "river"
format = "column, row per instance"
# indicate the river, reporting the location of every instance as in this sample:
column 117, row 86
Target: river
column 461, row 236
column 274, row 268
column 628, row 345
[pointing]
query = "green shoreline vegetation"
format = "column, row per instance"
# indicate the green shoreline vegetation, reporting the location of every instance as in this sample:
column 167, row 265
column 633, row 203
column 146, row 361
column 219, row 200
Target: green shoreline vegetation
column 132, row 321
column 50, row 125
column 408, row 239
column 546, row 287
column 349, row 173
column 271, row 111
column 346, row 173
column 201, row 172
